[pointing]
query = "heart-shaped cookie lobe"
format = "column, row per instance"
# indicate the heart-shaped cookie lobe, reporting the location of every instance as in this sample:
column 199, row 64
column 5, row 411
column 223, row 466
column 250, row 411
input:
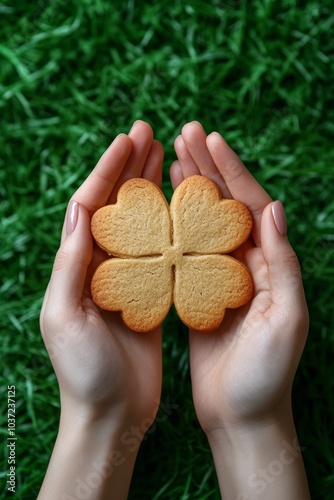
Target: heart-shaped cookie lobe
column 206, row 285
column 140, row 288
column 137, row 225
column 204, row 222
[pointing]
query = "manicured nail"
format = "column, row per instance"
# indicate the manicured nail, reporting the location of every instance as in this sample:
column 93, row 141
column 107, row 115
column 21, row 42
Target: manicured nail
column 279, row 217
column 72, row 217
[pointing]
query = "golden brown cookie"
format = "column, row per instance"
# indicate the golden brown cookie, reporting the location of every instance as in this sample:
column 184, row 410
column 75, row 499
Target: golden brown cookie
column 163, row 254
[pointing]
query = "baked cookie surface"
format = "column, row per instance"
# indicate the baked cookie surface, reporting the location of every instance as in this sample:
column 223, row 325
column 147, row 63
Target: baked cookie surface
column 163, row 254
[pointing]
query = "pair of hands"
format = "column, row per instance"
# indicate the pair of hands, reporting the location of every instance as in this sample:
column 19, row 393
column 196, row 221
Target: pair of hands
column 241, row 373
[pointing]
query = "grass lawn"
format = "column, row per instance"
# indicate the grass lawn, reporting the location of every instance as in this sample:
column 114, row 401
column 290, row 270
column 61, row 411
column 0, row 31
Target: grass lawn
column 74, row 74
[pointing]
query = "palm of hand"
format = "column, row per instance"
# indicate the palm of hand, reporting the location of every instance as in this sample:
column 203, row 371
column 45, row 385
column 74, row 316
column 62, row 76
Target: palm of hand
column 227, row 360
column 105, row 366
column 122, row 363
column 122, row 370
column 243, row 368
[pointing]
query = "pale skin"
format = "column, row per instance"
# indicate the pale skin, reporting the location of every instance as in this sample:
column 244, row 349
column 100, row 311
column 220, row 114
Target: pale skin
column 242, row 373
column 110, row 378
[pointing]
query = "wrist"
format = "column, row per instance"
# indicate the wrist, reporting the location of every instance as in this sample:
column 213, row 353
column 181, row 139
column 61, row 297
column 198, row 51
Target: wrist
column 258, row 456
column 279, row 418
column 252, row 440
column 93, row 457
column 114, row 433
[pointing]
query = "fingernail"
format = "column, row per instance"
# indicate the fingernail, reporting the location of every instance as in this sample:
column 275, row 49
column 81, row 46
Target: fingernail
column 279, row 217
column 72, row 217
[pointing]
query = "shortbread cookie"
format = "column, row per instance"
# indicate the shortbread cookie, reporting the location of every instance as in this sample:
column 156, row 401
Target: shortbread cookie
column 161, row 254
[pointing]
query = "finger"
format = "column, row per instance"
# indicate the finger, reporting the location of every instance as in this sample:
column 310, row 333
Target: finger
column 94, row 192
column 176, row 174
column 69, row 272
column 240, row 182
column 283, row 268
column 153, row 166
column 187, row 163
column 194, row 138
column 141, row 136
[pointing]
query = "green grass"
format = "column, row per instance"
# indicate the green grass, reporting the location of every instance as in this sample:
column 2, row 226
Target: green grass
column 75, row 74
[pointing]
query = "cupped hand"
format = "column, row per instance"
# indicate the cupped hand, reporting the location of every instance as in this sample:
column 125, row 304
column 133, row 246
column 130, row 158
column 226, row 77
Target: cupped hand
column 244, row 370
column 102, row 367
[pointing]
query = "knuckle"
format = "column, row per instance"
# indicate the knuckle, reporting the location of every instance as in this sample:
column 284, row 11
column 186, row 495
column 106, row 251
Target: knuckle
column 290, row 259
column 290, row 273
column 234, row 170
column 61, row 260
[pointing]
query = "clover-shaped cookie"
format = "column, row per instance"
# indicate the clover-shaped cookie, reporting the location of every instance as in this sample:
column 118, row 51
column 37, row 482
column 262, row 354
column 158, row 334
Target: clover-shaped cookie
column 161, row 254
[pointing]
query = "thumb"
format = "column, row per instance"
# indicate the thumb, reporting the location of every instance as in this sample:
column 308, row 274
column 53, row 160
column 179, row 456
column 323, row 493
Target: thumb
column 284, row 274
column 72, row 260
